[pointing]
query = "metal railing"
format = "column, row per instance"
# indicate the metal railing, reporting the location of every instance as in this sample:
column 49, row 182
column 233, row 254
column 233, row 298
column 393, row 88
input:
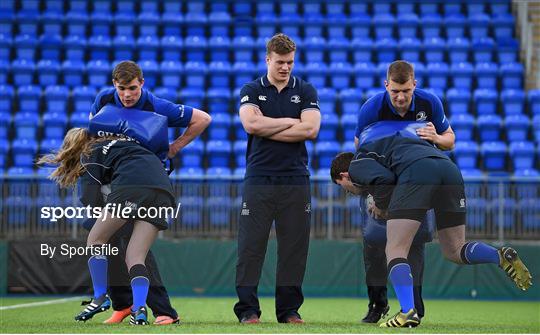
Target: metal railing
column 497, row 209
column 528, row 50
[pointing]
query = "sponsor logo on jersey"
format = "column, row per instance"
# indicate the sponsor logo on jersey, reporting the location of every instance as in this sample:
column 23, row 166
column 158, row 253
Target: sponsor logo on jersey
column 244, row 98
column 262, row 97
column 295, row 99
column 421, row 116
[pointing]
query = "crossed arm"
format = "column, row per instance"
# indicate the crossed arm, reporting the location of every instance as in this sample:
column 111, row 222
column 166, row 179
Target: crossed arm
column 280, row 129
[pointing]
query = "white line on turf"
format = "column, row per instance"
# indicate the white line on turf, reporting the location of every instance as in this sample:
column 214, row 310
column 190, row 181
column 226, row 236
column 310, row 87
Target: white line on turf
column 39, row 303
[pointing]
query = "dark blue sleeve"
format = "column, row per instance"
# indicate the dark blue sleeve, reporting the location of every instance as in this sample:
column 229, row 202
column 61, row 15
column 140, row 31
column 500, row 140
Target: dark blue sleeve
column 367, row 115
column 310, row 98
column 248, row 96
column 439, row 119
column 96, row 106
column 178, row 115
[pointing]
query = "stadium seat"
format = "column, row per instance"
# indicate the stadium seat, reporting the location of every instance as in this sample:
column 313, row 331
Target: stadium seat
column 191, row 155
column 316, row 74
column 487, row 75
column 438, row 75
column 5, row 69
column 100, row 24
column 83, row 98
column 172, row 23
column 475, row 7
column 219, row 74
column 485, row 101
column 191, row 211
column 479, row 25
column 17, row 209
column 219, row 23
column 267, row 24
column 23, row 152
column 219, row 210
column 4, row 149
column 341, row 75
column 239, row 150
column 503, row 25
column 431, row 24
column 73, row 73
column 507, row 50
column 419, row 74
column 314, row 49
column 124, row 47
column 78, row 119
column 286, row 6
column 151, row 73
column 244, row 47
column 192, row 97
column 6, row 100
column 77, row 22
column 218, row 100
column 497, row 185
column 331, row 124
column 239, row 132
column 48, row 72
column 405, row 7
column 512, row 76
column 166, row 93
column 509, row 212
column 148, row 48
column 29, row 97
column 466, row 153
column 219, row 47
column 6, row 22
column 327, row 100
column 75, row 48
column 434, row 49
column 244, row 72
column 351, row 99
column 325, row 152
column 124, row 23
column 102, row 5
column 6, row 44
column 458, row 49
column 196, row 47
column 522, row 155
column 348, row 125
column 336, row 25
column 23, row 72
column 483, row 49
column 171, row 74
column 54, row 125
column 533, row 99
column 176, row 7
column 386, row 50
column 383, row 25
column 99, row 47
column 462, row 75
column 474, row 185
column 513, row 101
column 197, row 74
column 360, row 24
column 338, row 49
column 171, row 48
column 536, row 128
column 26, row 125
column 489, row 127
column 408, row 24
column 463, row 126
column 290, row 23
column 455, row 25
column 517, row 127
column 494, row 155
column 28, row 21
column 56, row 98
column 195, row 24
column 218, row 153
column 410, row 48
column 50, row 47
column 99, row 73
column 361, row 49
column 148, row 23
column 476, row 213
column 221, row 123
column 529, row 208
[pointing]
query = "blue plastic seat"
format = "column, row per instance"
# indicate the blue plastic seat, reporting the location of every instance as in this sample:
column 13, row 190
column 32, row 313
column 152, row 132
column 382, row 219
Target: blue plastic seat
column 513, row 101
column 6, row 43
column 191, row 155
column 191, row 211
column 23, row 72
column 507, row 50
column 5, row 69
column 48, row 72
column 219, row 210
column 219, row 47
column 348, row 146
column 26, row 125
column 286, row 6
column 458, row 101
column 124, row 47
column 529, row 208
column 386, row 50
column 434, row 49
column 431, row 24
column 341, row 75
column 360, row 24
column 455, row 25
column 338, row 49
column 474, row 7
column 243, row 49
column 494, row 155
column 361, row 49
column 239, row 132
column 218, row 153
column 316, row 74
column 314, row 49
column 77, row 22
column 171, row 48
column 148, row 23
column 503, row 25
column 382, row 69
column 28, row 21
column 148, row 48
column 487, row 75
column 533, row 99
column 6, row 99
column 244, row 73
column 267, row 24
column 7, row 26
column 221, row 123
column 54, row 125
column 452, row 7
column 172, row 23
column 331, row 124
column 384, row 25
column 239, row 150
column 410, row 48
column 166, row 93
column 99, row 72
column 52, row 22
column 512, row 75
column 73, row 73
column 489, row 127
column 151, row 72
column 124, row 23
column 23, row 152
column 176, row 7
column 99, row 47
column 290, row 23
column 196, row 47
column 243, row 26
column 29, row 96
column 192, row 96
column 462, row 75
column 336, row 25
column 522, row 154
column 482, row 49
column 327, row 100
column 526, row 183
column 408, row 24
column 102, row 5
column 348, row 124
column 18, row 210
column 466, row 154
column 218, row 100
column 197, row 74
column 351, row 100
column 463, row 126
column 509, row 212
column 325, row 152
column 438, row 75
column 313, row 7
column 476, row 213
column 195, row 24
column 4, row 149
column 56, row 98
column 219, row 74
column 458, row 49
column 83, row 98
column 75, row 48
column 219, row 23
column 171, row 73
column 479, row 25
column 100, row 24
column 78, row 119
column 25, row 47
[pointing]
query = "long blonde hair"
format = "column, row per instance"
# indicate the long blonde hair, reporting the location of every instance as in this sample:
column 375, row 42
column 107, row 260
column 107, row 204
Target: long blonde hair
column 77, row 143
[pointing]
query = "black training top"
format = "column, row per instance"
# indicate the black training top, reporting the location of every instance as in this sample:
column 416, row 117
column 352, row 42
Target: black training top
column 266, row 157
column 124, row 165
column 396, row 152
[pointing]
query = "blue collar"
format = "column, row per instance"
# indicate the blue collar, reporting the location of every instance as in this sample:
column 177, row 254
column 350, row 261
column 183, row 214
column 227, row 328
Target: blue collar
column 138, row 105
column 389, row 102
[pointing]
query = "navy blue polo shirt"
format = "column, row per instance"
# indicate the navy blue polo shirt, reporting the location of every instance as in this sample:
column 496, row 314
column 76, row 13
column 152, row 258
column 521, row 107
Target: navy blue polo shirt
column 177, row 115
column 425, row 106
column 266, row 157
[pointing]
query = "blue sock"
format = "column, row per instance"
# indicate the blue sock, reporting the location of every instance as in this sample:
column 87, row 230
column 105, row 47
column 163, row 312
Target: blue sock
column 478, row 253
column 401, row 278
column 98, row 271
column 139, row 285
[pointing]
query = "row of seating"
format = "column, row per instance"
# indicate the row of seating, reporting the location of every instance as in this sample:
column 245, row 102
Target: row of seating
column 247, row 7
column 247, row 49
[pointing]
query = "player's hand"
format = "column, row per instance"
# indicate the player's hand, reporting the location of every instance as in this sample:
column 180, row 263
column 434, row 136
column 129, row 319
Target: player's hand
column 173, row 151
column 428, row 133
